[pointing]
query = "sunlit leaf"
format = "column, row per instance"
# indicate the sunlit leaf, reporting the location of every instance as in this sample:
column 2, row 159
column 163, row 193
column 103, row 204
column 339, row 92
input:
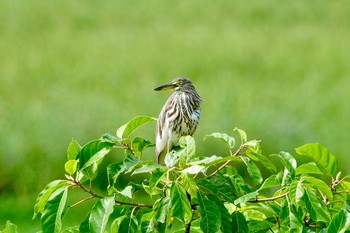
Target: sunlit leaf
column 239, row 223
column 71, row 230
column 242, row 134
column 45, row 194
column 163, row 210
column 324, row 159
column 270, row 182
column 189, row 184
column 210, row 214
column 320, row 185
column 148, row 226
column 288, row 161
column 253, row 170
column 180, row 205
column 51, row 219
column 93, row 151
column 148, row 167
column 258, row 157
column 125, row 130
column 340, row 222
column 296, row 191
column 127, row 191
column 130, row 162
column 97, row 219
column 71, row 166
column 171, row 159
column 139, row 144
column 10, row 228
column 228, row 140
column 246, row 197
column 308, row 168
column 317, row 209
column 155, row 178
column 194, row 169
column 73, row 150
column 189, row 146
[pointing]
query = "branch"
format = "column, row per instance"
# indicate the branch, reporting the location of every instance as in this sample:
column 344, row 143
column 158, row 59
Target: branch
column 93, row 194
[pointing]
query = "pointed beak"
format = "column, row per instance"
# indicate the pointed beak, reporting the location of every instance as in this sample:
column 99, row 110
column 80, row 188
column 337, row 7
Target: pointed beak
column 165, row 87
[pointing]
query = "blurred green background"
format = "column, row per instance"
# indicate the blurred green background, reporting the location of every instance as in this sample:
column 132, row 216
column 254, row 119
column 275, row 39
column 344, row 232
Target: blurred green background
column 279, row 70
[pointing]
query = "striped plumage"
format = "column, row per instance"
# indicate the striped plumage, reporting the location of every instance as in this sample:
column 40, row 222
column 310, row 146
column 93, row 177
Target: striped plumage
column 178, row 117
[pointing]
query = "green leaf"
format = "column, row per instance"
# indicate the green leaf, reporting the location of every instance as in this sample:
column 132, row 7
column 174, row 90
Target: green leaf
column 239, row 223
column 96, row 149
column 288, row 161
column 148, row 167
column 296, row 191
column 226, row 221
column 194, row 169
column 71, row 166
column 127, row 191
column 71, row 230
column 258, row 157
column 130, row 162
column 138, row 144
column 113, row 172
column 246, row 197
column 210, row 214
column 228, row 140
column 10, row 228
column 73, row 150
column 270, row 182
column 128, row 225
column 320, row 185
column 324, row 159
column 340, row 222
column 163, row 210
column 125, row 130
column 97, row 219
column 96, row 158
column 51, row 219
column 317, row 209
column 308, row 168
column 253, row 170
column 189, row 184
column 242, row 134
column 148, row 226
column 45, row 194
column 155, row 178
column 181, row 207
column 295, row 224
column 189, row 149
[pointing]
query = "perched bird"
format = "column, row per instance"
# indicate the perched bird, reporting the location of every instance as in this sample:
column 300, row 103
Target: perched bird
column 178, row 117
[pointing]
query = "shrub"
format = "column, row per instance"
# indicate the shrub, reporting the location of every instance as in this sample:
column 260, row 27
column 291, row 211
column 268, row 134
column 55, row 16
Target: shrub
column 191, row 193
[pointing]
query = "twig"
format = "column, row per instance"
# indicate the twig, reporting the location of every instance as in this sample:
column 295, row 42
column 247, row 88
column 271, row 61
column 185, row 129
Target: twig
column 81, row 201
column 227, row 162
column 269, row 198
column 93, row 194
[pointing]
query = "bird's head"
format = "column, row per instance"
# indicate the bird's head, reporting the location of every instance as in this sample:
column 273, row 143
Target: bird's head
column 178, row 84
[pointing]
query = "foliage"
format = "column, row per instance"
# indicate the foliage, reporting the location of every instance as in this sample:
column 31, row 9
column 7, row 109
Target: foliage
column 193, row 193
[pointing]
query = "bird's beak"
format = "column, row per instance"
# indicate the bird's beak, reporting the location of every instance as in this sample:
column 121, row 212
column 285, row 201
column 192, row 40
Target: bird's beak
column 165, row 87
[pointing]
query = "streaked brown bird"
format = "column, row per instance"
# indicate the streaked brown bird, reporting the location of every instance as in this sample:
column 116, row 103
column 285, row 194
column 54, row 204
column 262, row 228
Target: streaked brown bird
column 178, row 117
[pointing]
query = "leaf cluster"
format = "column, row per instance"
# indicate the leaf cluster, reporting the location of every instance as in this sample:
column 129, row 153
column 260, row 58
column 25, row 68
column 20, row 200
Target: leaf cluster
column 193, row 193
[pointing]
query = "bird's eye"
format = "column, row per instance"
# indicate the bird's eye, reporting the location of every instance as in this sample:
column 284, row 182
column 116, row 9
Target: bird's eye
column 177, row 83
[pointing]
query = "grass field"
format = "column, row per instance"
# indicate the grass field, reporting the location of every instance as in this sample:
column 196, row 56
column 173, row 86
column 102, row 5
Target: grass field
column 277, row 69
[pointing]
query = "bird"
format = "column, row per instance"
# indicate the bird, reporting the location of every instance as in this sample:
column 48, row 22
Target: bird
column 178, row 117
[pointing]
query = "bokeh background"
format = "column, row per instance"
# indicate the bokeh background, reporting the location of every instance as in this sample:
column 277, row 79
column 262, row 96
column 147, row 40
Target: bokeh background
column 279, row 70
